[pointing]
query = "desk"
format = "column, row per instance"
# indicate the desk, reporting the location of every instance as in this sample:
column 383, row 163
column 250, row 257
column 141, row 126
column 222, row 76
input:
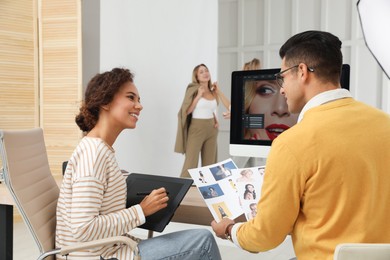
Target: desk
column 6, row 222
column 6, row 231
column 193, row 210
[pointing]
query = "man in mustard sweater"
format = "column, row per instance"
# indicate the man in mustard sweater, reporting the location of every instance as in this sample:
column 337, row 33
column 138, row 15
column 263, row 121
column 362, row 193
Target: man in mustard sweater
column 327, row 179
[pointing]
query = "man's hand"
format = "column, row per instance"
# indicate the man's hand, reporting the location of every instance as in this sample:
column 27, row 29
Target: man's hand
column 220, row 228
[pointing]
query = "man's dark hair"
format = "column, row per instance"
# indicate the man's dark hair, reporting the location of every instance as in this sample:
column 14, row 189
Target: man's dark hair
column 317, row 49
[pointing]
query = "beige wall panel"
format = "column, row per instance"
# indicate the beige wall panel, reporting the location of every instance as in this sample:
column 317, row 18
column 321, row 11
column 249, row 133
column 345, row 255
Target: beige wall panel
column 18, row 65
column 18, row 70
column 60, row 57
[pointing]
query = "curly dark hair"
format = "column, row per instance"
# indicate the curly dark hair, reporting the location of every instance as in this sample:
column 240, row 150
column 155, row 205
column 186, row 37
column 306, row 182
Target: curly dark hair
column 100, row 91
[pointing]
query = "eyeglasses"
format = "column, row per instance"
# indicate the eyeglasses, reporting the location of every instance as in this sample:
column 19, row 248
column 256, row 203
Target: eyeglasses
column 280, row 79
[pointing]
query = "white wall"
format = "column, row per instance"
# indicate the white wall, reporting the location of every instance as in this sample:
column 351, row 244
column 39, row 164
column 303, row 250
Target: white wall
column 258, row 28
column 161, row 42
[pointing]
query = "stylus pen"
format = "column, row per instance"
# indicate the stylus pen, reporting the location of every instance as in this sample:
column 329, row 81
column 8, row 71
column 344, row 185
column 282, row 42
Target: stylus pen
column 145, row 193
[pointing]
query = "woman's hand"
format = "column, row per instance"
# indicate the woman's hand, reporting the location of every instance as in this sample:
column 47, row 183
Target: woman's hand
column 200, row 92
column 215, row 87
column 226, row 115
column 155, row 201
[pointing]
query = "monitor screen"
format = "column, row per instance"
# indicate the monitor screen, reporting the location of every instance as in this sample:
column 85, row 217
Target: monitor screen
column 259, row 113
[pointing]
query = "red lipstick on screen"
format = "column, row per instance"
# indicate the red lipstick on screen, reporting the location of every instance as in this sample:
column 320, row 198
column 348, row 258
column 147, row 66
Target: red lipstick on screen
column 275, row 130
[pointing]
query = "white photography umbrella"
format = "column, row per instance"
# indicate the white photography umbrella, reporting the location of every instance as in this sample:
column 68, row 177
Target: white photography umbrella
column 375, row 20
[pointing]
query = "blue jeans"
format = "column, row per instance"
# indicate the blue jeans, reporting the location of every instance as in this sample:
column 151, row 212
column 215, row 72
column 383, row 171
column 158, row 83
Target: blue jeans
column 193, row 244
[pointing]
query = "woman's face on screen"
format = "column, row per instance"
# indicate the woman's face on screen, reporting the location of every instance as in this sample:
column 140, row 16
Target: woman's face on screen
column 269, row 102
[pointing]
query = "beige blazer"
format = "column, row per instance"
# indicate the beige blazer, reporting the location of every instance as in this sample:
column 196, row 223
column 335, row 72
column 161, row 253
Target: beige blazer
column 184, row 120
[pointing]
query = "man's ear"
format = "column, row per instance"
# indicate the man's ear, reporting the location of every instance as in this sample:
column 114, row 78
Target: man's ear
column 303, row 72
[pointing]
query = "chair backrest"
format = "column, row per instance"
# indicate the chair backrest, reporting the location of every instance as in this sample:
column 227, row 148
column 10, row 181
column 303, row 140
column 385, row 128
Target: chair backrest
column 362, row 251
column 27, row 176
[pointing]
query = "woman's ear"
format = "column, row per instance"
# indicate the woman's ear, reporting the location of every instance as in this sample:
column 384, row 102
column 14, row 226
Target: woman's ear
column 106, row 107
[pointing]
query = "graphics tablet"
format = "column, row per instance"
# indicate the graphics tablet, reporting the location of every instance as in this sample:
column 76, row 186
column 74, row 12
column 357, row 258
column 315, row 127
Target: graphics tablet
column 140, row 184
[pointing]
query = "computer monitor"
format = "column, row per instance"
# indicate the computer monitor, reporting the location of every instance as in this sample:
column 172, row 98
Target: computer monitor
column 259, row 113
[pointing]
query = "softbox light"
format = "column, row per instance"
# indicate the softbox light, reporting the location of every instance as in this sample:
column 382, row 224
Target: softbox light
column 375, row 20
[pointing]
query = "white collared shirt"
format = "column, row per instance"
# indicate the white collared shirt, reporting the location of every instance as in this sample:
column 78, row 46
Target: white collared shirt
column 323, row 98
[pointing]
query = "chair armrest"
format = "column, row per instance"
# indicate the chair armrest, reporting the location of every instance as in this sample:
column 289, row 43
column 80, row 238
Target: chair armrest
column 358, row 251
column 102, row 242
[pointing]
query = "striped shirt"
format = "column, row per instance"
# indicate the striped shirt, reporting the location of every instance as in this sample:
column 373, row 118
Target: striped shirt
column 92, row 202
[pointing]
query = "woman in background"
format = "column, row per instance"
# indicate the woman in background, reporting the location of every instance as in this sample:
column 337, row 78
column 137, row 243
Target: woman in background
column 254, row 64
column 92, row 201
column 198, row 125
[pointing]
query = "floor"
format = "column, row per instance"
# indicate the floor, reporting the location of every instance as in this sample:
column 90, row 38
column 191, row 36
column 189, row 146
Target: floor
column 24, row 247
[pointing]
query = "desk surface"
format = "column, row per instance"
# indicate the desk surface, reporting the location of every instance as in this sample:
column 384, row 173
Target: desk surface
column 193, row 210
column 5, row 196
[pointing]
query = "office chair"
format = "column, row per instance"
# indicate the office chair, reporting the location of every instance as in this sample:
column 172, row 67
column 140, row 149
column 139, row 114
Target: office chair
column 27, row 176
column 362, row 251
column 64, row 164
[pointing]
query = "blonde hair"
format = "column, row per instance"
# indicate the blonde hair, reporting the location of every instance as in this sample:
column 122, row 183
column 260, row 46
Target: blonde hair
column 250, row 89
column 254, row 64
column 195, row 72
column 250, row 93
column 246, row 66
column 250, row 86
